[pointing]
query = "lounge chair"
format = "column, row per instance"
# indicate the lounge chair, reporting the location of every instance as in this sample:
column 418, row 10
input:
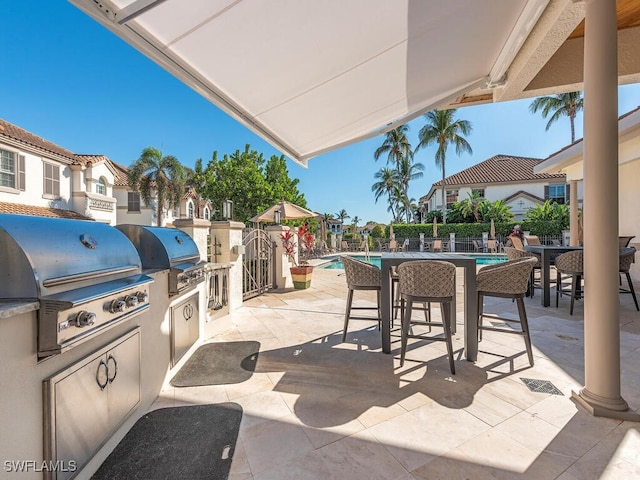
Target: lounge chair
column 532, row 240
column 517, row 243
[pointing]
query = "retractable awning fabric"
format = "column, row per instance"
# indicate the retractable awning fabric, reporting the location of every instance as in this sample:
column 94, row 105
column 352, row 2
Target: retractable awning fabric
column 311, row 76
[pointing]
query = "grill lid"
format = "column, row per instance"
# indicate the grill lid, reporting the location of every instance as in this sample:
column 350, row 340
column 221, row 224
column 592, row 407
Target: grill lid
column 42, row 256
column 161, row 247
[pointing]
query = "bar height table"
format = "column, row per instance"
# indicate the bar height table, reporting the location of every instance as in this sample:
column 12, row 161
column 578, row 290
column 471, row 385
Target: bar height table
column 470, row 307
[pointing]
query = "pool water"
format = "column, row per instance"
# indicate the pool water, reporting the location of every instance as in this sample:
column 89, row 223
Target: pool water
column 480, row 260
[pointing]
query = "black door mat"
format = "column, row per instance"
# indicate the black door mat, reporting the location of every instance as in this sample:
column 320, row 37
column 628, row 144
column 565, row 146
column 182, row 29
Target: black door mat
column 193, row 442
column 541, row 386
column 218, row 363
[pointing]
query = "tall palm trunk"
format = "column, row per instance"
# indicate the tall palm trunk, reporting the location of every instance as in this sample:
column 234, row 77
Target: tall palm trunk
column 444, row 196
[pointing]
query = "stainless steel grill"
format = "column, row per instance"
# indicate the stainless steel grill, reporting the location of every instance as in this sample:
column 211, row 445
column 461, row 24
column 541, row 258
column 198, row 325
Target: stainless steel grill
column 168, row 248
column 86, row 275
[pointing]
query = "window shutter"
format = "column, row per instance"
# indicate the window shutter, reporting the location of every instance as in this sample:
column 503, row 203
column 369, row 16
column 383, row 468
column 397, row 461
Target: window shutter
column 546, row 192
column 21, row 173
column 567, row 191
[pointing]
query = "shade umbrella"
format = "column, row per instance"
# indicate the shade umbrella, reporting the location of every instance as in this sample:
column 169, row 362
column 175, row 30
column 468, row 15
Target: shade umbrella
column 323, row 232
column 492, row 230
column 288, row 211
column 392, row 236
column 435, row 227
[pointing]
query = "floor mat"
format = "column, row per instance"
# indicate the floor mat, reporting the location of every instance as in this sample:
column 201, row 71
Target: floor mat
column 192, row 442
column 218, row 363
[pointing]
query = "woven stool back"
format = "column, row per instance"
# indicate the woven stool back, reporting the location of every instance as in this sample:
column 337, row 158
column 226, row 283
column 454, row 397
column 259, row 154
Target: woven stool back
column 427, row 278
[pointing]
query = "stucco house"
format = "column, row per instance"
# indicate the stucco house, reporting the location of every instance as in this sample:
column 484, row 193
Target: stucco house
column 38, row 177
column 569, row 161
column 502, row 177
column 132, row 209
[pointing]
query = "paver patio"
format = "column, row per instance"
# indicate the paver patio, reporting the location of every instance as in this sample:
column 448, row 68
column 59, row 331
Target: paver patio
column 316, row 408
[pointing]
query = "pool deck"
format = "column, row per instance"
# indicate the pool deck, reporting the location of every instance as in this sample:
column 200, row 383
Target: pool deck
column 318, row 408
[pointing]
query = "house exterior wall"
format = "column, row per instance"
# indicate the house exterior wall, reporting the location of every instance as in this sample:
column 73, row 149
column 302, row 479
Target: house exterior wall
column 33, row 193
column 629, row 215
column 86, row 198
column 146, row 215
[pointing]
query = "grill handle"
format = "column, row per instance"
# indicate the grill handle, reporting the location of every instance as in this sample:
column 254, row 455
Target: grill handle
column 53, row 282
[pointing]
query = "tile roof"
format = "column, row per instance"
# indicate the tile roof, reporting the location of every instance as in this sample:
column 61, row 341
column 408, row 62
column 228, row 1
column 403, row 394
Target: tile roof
column 499, row 169
column 120, row 175
column 9, row 130
column 20, row 209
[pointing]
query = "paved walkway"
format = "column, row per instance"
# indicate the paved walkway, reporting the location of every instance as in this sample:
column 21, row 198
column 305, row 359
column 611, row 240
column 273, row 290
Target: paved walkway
column 317, row 408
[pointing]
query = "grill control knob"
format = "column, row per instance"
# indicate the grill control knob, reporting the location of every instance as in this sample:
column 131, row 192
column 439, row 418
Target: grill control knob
column 85, row 319
column 142, row 297
column 117, row 306
column 131, row 300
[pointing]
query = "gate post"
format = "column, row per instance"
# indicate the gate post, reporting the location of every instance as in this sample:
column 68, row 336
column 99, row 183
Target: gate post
column 226, row 248
column 282, row 263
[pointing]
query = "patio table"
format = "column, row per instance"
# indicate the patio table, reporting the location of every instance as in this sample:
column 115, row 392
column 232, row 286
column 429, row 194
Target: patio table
column 547, row 253
column 470, row 307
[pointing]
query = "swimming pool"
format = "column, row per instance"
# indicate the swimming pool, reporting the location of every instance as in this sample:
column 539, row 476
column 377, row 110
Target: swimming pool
column 481, row 259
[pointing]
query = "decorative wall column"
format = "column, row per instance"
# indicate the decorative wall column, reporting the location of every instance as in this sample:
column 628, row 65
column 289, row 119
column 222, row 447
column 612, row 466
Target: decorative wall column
column 226, row 248
column 601, row 394
column 573, row 213
column 282, row 263
column 198, row 229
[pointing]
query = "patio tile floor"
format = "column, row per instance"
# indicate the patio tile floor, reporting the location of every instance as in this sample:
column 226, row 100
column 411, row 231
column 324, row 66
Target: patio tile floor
column 317, row 408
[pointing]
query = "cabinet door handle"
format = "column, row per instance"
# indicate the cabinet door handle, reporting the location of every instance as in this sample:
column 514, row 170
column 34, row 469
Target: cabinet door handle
column 115, row 368
column 106, row 370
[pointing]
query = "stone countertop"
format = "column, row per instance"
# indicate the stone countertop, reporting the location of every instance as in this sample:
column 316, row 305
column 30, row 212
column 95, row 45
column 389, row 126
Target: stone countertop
column 11, row 308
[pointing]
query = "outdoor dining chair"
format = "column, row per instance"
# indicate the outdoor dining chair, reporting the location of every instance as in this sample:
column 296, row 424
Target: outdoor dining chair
column 425, row 281
column 506, row 280
column 438, row 246
column 627, row 257
column 532, row 240
column 569, row 264
column 361, row 276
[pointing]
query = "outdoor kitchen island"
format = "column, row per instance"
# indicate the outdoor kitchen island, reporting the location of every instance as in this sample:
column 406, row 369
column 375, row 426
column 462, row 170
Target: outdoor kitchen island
column 69, row 393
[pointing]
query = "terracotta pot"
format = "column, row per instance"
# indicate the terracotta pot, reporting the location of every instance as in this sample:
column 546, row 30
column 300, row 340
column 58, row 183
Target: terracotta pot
column 301, row 276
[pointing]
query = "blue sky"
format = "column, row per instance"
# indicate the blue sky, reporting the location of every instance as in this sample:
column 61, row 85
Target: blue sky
column 69, row 80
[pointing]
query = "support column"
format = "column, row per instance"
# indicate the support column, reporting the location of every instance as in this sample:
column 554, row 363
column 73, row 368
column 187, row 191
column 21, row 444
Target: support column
column 573, row 213
column 226, row 249
column 601, row 394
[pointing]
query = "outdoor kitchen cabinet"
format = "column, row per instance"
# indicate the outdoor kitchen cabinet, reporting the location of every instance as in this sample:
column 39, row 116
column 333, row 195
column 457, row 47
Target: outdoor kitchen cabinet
column 185, row 324
column 88, row 401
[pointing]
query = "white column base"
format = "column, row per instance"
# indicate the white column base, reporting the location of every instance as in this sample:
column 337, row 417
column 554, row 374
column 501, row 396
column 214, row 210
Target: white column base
column 604, row 407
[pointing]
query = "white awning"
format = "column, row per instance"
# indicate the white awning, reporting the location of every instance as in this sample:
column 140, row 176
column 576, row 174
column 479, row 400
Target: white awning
column 311, row 76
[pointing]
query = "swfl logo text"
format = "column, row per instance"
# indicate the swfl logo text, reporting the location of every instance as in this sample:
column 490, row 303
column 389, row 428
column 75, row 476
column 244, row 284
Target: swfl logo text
column 22, row 466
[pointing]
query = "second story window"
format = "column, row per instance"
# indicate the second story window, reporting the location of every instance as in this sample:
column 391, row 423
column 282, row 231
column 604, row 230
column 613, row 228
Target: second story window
column 556, row 193
column 452, row 197
column 101, row 186
column 51, row 180
column 190, row 210
column 133, row 201
column 12, row 170
column 206, row 213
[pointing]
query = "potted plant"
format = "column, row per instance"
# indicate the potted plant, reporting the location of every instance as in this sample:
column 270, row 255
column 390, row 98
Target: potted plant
column 300, row 272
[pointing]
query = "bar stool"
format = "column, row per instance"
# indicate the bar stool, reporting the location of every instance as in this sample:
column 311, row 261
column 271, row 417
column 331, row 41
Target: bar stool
column 627, row 257
column 397, row 301
column 515, row 254
column 571, row 264
column 506, row 280
column 360, row 276
column 427, row 281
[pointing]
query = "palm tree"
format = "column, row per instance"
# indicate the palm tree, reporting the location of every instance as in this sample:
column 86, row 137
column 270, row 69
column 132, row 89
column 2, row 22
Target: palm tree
column 342, row 216
column 442, row 128
column 408, row 171
column 559, row 105
column 355, row 219
column 471, row 205
column 387, row 180
column 395, row 145
column 162, row 174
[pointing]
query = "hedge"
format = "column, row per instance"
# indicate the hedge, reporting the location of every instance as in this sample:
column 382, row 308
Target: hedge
column 473, row 230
